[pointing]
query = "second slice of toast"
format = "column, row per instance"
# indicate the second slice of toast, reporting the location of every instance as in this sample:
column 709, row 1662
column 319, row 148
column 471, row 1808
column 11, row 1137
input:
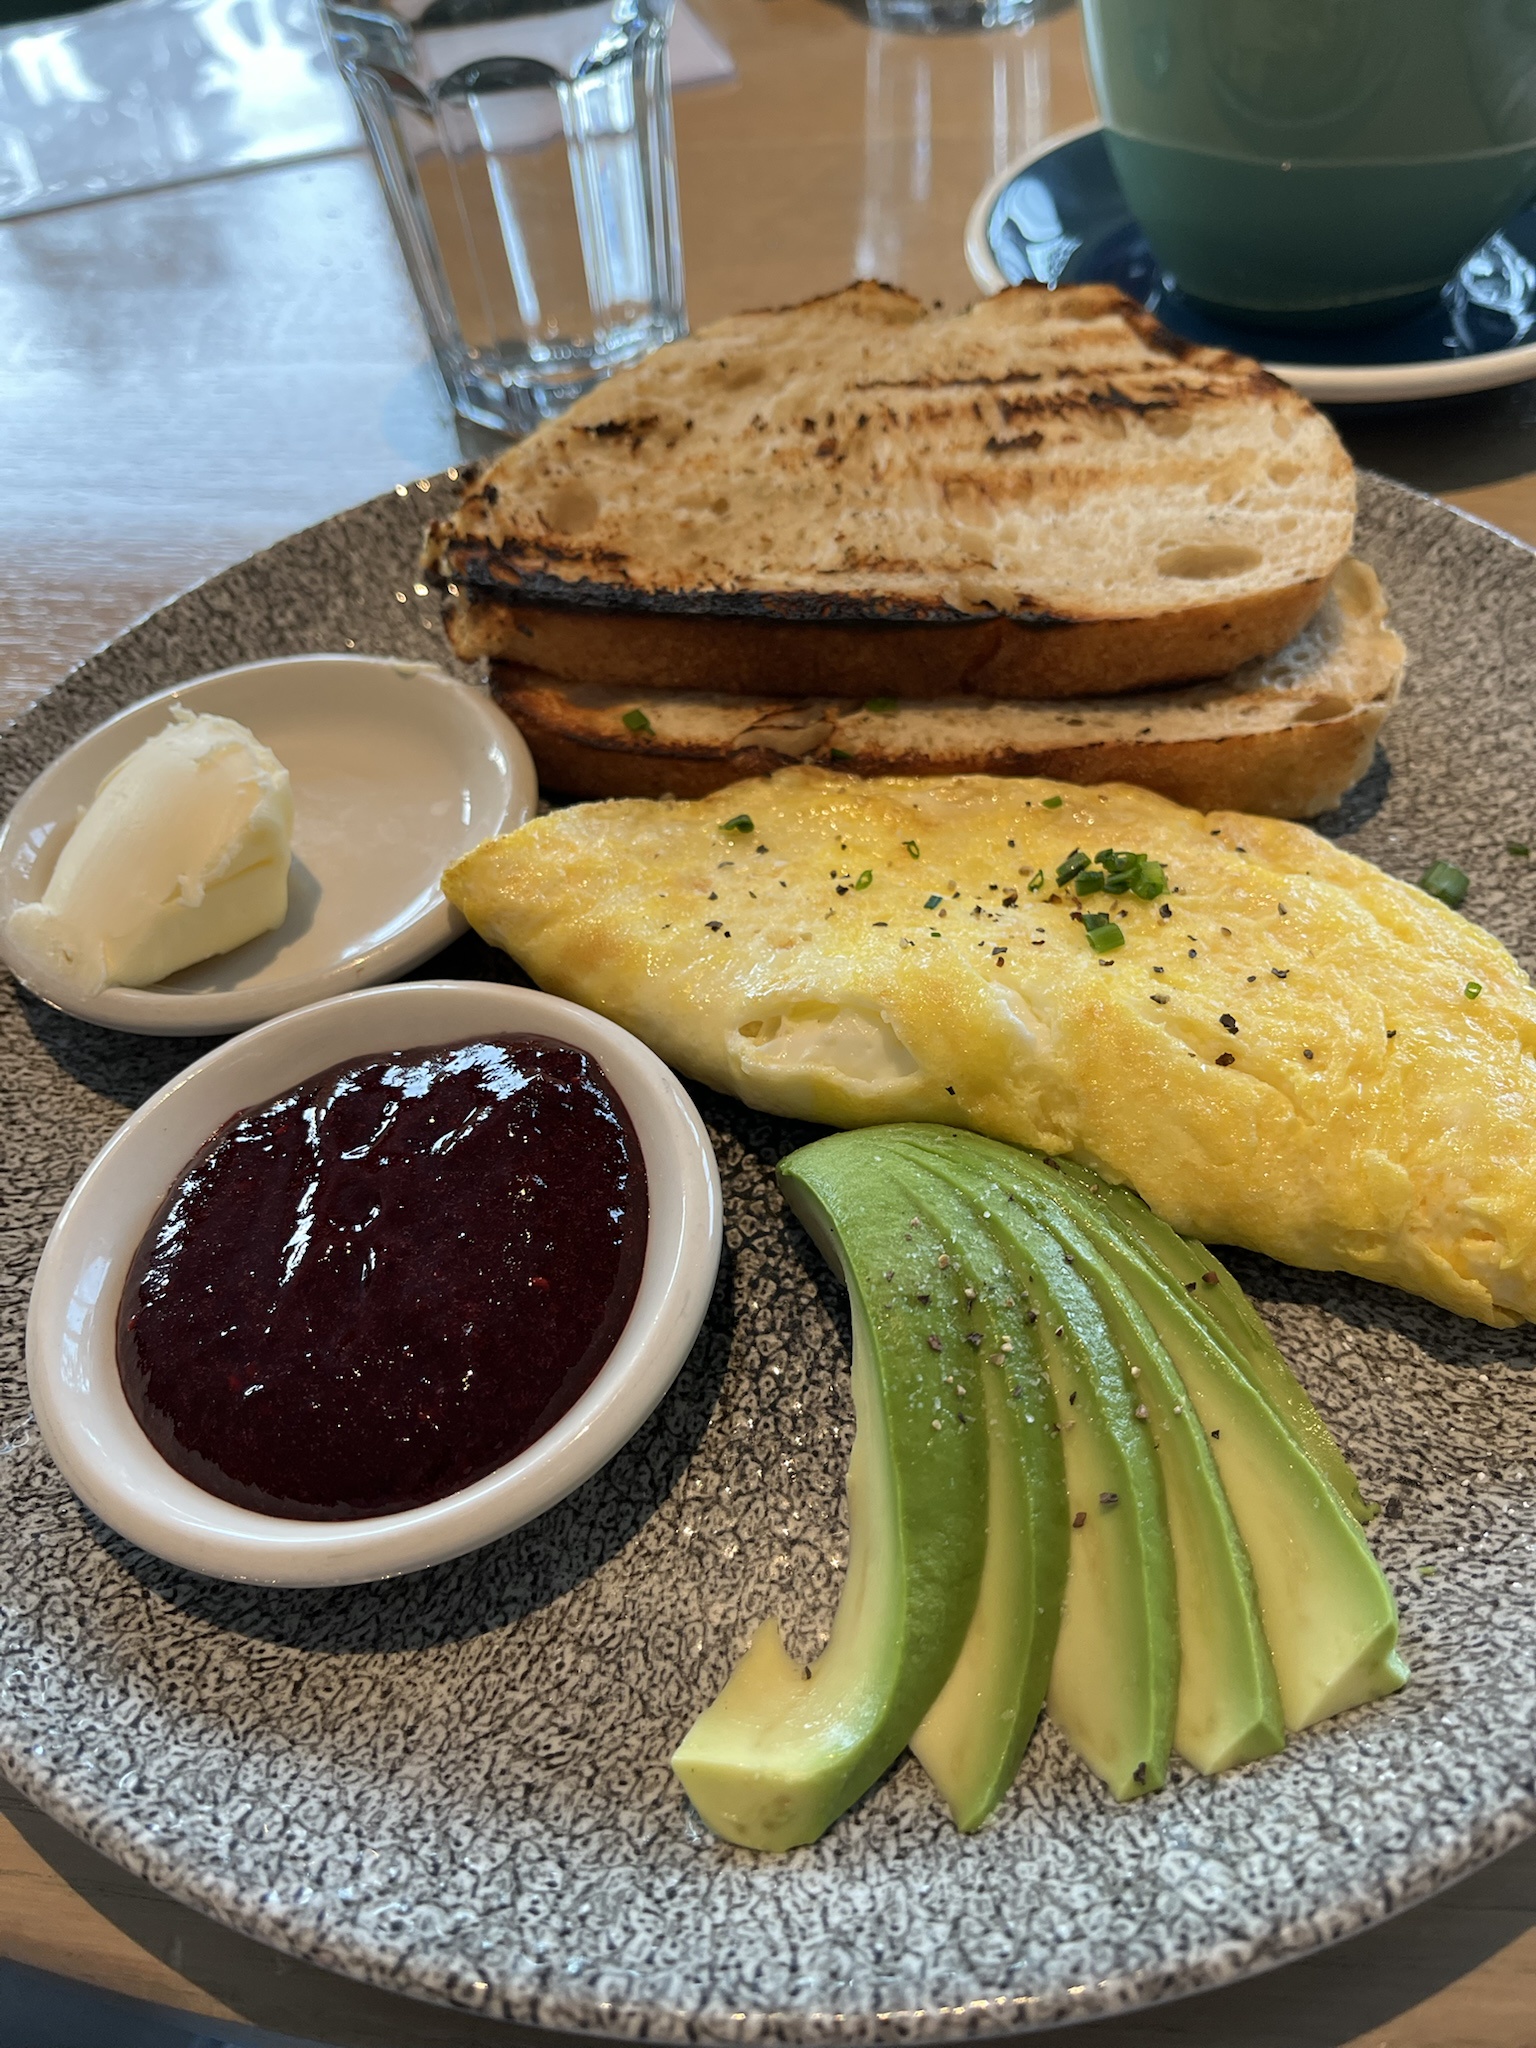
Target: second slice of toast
column 1284, row 736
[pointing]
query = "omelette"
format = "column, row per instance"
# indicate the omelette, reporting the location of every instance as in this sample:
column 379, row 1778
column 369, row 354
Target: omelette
column 1285, row 1048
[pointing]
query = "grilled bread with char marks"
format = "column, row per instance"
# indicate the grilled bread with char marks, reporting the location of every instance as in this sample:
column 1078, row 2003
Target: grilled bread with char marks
column 1285, row 736
column 1048, row 495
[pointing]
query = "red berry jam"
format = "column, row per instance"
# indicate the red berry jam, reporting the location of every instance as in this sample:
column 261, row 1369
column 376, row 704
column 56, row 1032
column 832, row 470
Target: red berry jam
column 387, row 1281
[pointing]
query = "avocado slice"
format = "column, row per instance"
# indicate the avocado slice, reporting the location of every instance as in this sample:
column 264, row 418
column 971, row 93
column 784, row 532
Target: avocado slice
column 1228, row 1709
column 1329, row 1616
column 1115, row 1680
column 1228, row 1311
column 972, row 1738
column 780, row 1754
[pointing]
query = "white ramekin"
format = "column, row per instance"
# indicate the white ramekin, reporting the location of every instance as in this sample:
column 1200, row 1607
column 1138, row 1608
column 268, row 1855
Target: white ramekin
column 71, row 1327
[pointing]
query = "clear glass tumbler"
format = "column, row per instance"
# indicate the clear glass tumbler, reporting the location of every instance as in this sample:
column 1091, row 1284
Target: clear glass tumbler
column 525, row 149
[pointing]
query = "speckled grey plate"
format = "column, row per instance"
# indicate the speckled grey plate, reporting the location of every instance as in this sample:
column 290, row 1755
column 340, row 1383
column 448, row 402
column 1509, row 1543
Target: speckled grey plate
column 456, row 1784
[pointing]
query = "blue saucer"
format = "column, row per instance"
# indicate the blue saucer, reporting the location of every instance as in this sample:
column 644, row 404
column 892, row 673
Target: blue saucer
column 1060, row 217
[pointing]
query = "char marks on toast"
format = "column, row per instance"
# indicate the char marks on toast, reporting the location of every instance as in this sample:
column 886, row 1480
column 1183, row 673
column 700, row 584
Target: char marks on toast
column 1052, row 474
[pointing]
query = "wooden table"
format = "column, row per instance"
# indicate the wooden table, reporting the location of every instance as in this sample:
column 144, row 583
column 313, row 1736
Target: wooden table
column 186, row 376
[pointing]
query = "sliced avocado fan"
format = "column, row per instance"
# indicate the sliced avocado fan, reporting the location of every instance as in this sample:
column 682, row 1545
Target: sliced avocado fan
column 1082, row 1474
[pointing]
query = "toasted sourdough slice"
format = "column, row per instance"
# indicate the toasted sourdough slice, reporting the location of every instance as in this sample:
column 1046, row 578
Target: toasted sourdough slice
column 1284, row 736
column 1048, row 495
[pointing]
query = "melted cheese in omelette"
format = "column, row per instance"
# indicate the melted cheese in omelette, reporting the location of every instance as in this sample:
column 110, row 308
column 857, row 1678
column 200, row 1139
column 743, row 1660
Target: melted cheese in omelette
column 1283, row 1054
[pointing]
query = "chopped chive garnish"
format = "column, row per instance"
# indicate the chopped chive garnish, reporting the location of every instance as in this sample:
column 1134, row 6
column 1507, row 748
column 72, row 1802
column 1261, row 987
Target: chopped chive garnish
column 1051, row 803
column 740, row 823
column 637, row 721
column 1445, row 882
column 1514, row 846
column 912, row 847
column 865, row 879
column 933, row 903
column 1473, row 990
column 1119, row 873
column 1037, row 881
column 1103, row 934
column 839, row 754
column 883, row 707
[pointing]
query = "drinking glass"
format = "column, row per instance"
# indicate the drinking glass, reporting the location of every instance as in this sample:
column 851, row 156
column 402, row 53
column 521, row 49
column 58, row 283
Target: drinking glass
column 526, row 153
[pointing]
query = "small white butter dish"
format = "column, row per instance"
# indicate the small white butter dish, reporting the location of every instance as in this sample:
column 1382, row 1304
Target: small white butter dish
column 397, row 769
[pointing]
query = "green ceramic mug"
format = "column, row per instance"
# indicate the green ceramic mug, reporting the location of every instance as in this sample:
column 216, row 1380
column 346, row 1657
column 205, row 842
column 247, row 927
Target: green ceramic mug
column 1317, row 162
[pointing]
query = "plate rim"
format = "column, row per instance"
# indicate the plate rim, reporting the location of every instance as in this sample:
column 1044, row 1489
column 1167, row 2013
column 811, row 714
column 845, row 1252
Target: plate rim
column 1322, row 383
column 196, row 1014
